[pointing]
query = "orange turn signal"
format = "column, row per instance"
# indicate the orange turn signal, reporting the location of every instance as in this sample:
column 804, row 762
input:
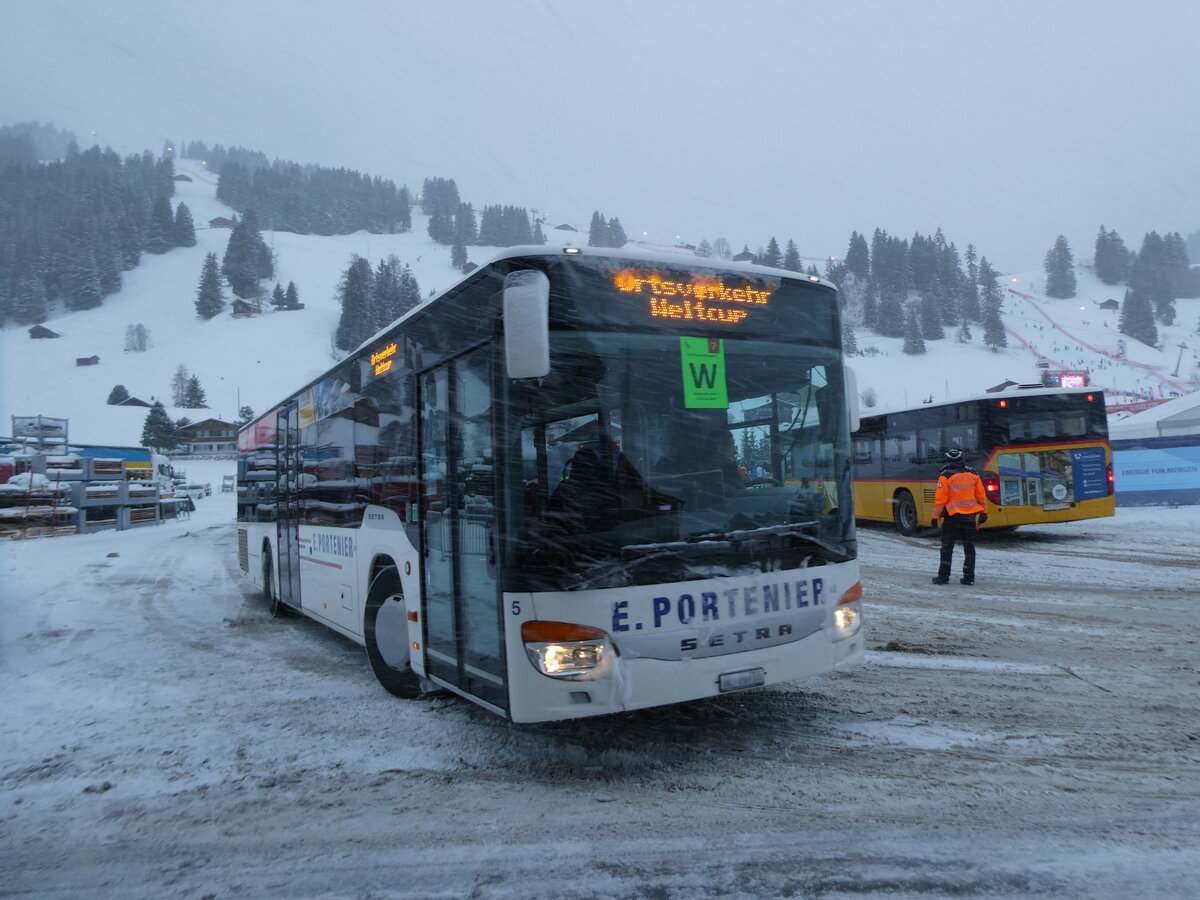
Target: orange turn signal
column 538, row 632
column 855, row 593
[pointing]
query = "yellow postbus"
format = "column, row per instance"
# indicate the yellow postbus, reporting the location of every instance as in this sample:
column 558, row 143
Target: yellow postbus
column 1043, row 455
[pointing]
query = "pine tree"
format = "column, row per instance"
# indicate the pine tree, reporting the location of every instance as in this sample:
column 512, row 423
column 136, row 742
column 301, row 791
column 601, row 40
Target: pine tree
column 184, row 229
column 858, row 257
column 870, row 305
column 914, row 344
column 791, row 257
column 616, row 234
column 598, row 231
column 117, row 395
column 158, row 431
column 137, row 338
column 771, row 256
column 292, row 297
column 1111, row 261
column 247, row 258
column 849, row 338
column 1137, row 318
column 458, row 254
column 410, row 292
column 465, row 229
column 161, row 234
column 385, row 292
column 931, row 314
column 890, row 320
column 948, row 284
column 278, row 300
column 969, row 297
column 245, row 416
column 29, row 305
column 193, row 395
column 354, row 294
column 1060, row 270
column 1148, row 277
column 992, row 301
column 81, row 282
column 179, row 383
column 210, row 300
column 441, row 226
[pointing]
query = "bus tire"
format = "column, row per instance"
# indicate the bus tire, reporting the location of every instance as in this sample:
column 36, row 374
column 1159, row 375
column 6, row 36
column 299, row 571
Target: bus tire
column 904, row 512
column 385, row 633
column 275, row 606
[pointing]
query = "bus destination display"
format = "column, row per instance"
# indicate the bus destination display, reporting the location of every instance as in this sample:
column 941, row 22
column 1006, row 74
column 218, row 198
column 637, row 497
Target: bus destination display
column 703, row 300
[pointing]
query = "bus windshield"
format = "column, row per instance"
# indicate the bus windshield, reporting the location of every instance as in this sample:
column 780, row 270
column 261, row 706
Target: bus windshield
column 650, row 458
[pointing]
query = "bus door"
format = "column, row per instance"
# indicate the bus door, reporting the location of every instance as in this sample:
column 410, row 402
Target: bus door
column 461, row 602
column 287, row 497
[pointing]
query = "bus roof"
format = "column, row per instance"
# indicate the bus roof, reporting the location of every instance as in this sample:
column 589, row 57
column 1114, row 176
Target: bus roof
column 1015, row 390
column 545, row 251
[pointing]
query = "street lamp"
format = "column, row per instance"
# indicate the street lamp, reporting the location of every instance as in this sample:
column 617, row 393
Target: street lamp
column 1182, row 347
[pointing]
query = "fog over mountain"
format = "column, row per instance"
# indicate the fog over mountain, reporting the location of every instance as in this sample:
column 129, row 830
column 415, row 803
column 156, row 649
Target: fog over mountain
column 1005, row 125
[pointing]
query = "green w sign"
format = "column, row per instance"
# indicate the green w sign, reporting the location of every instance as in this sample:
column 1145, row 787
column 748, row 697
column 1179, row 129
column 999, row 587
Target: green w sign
column 703, row 373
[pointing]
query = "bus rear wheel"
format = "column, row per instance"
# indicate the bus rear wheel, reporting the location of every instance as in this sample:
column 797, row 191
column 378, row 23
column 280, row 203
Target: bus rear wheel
column 385, row 633
column 904, row 512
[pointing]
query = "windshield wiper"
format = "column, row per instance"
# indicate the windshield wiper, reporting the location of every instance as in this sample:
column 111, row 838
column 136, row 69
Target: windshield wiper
column 743, row 542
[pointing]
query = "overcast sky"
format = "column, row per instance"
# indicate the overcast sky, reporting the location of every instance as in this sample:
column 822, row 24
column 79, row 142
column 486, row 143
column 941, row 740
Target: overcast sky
column 1005, row 123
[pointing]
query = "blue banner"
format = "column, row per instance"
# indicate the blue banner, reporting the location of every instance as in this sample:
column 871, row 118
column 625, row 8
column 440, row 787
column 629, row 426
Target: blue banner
column 1090, row 473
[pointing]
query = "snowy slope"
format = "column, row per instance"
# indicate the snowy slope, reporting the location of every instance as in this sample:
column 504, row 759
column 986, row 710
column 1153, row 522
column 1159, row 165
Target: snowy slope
column 259, row 360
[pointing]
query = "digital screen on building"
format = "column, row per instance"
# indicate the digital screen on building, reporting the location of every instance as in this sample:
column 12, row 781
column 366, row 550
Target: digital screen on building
column 383, row 359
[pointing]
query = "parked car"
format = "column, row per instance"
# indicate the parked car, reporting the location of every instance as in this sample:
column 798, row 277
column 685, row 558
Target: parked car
column 228, row 483
column 195, row 491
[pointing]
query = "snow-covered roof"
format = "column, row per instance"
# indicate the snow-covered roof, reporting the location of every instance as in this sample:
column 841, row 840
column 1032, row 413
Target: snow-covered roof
column 1175, row 417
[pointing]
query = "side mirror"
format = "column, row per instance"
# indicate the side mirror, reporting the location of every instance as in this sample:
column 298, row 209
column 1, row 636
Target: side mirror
column 527, row 324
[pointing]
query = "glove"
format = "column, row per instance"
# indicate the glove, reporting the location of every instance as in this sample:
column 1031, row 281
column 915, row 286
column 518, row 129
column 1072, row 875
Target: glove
column 982, row 518
column 934, row 523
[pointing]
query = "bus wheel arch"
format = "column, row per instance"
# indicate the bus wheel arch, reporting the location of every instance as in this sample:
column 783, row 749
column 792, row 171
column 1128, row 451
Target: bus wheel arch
column 385, row 633
column 904, row 513
column 270, row 588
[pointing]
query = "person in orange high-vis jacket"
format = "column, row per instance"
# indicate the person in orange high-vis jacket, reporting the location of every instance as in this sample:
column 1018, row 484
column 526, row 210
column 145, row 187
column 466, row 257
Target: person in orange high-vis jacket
column 959, row 499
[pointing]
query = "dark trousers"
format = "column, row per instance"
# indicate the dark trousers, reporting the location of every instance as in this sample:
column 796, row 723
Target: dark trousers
column 958, row 528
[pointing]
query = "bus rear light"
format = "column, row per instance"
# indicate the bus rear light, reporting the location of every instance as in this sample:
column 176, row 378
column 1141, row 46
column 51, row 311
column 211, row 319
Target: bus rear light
column 991, row 487
column 1112, row 482
column 566, row 650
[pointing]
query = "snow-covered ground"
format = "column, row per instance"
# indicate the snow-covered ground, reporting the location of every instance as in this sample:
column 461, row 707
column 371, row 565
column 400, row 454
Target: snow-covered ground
column 1034, row 735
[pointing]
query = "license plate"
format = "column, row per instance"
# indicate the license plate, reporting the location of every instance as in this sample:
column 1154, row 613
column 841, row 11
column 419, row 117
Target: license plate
column 739, row 681
column 1055, row 507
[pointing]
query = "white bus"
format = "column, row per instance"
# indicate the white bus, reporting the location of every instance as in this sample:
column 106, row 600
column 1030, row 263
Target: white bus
column 578, row 482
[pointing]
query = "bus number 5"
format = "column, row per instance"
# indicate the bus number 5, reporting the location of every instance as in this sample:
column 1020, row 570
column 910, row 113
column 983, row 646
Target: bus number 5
column 516, row 607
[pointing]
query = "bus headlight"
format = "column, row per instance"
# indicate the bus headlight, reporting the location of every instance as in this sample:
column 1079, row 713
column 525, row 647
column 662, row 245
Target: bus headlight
column 847, row 615
column 564, row 650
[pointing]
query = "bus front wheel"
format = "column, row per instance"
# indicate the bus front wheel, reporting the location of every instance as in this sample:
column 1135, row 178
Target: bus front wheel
column 385, row 630
column 904, row 511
